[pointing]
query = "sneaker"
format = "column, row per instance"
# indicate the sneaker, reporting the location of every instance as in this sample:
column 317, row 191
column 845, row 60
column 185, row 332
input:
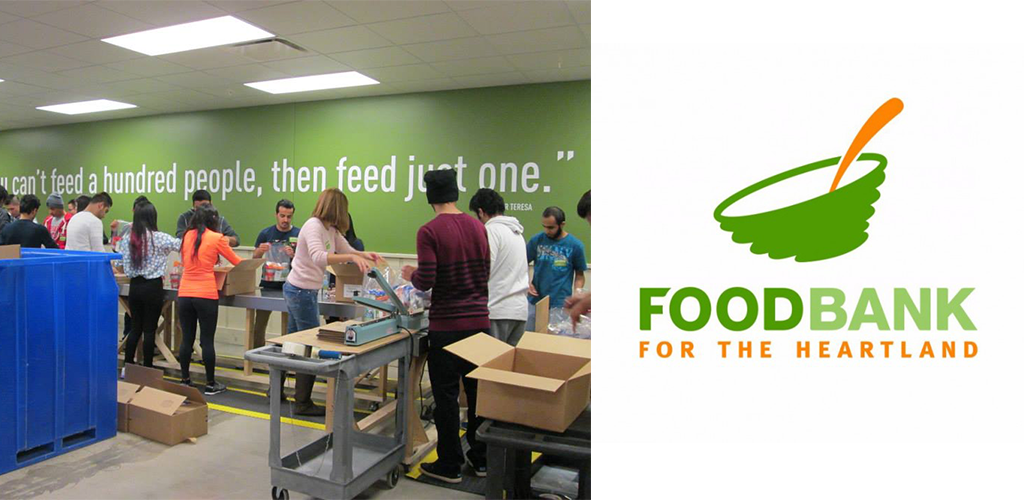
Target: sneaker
column 186, row 382
column 309, row 409
column 479, row 467
column 437, row 471
column 214, row 388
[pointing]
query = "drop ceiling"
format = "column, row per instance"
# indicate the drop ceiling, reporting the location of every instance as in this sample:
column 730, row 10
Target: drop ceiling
column 51, row 53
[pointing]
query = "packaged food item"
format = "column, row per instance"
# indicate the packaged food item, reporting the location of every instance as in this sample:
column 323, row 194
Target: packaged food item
column 560, row 323
column 176, row 273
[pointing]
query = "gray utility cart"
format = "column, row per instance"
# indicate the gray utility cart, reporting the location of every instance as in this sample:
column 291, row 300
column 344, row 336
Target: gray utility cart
column 345, row 462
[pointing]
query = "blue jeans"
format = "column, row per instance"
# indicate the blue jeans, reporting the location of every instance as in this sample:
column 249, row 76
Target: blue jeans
column 303, row 314
column 303, row 308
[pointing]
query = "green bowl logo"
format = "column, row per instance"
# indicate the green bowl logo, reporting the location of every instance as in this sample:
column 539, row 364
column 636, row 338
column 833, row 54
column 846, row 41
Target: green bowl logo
column 820, row 228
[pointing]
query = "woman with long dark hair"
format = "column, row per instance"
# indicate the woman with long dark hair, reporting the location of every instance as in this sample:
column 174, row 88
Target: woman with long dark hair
column 144, row 254
column 198, row 296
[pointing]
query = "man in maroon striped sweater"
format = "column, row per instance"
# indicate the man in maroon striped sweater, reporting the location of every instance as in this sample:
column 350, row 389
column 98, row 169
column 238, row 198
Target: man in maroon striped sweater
column 454, row 262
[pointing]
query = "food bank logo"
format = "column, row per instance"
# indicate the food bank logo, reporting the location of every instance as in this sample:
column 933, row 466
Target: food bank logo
column 820, row 228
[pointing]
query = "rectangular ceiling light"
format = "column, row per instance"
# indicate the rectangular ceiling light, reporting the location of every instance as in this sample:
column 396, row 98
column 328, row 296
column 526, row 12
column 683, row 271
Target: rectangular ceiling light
column 315, row 82
column 190, row 36
column 77, row 108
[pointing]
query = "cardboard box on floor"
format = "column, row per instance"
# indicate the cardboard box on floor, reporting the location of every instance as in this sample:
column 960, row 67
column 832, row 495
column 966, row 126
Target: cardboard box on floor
column 238, row 279
column 156, row 409
column 543, row 382
column 10, row 251
column 348, row 281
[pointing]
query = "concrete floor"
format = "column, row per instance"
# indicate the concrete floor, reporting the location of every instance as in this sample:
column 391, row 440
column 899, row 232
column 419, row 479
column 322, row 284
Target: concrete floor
column 229, row 462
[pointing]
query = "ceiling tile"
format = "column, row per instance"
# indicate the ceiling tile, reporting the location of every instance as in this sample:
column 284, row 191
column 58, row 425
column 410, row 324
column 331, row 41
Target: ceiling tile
column 92, row 21
column 447, row 50
column 37, row 35
column 149, row 66
column 6, row 18
column 297, row 17
column 243, row 5
column 9, row 49
column 494, row 80
column 163, row 12
column 466, row 67
column 376, row 58
column 44, row 61
column 108, row 91
column 245, row 74
column 458, row 5
column 185, row 96
column 315, row 65
column 340, row 40
column 426, row 85
column 559, row 75
column 585, row 28
column 98, row 74
column 580, row 10
column 143, row 85
column 28, row 9
column 96, row 52
column 232, row 91
column 519, row 42
column 518, row 17
column 403, row 73
column 424, row 29
column 371, row 12
column 51, row 81
column 213, row 57
column 554, row 59
column 193, row 80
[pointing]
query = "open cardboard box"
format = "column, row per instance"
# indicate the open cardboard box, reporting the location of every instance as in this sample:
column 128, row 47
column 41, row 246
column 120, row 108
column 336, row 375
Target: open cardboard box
column 543, row 382
column 10, row 251
column 348, row 282
column 238, row 279
column 163, row 411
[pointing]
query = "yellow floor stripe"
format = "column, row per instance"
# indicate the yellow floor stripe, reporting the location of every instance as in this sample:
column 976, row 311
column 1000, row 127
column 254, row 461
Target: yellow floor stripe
column 264, row 416
column 414, row 471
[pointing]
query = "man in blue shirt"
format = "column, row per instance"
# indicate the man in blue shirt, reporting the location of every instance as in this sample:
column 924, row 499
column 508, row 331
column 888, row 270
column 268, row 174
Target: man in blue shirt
column 282, row 232
column 559, row 262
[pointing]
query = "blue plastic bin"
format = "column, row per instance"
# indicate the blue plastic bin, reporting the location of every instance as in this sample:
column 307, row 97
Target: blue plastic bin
column 58, row 357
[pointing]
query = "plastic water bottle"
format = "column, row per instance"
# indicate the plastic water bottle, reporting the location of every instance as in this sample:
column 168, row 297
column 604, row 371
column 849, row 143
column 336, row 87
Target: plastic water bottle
column 326, row 286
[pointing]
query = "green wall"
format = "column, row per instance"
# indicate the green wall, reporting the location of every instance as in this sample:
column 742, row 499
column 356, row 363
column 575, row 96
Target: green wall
column 526, row 125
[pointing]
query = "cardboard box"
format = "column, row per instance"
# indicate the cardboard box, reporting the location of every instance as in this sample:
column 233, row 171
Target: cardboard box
column 543, row 382
column 163, row 411
column 348, row 282
column 10, row 251
column 125, row 392
column 238, row 279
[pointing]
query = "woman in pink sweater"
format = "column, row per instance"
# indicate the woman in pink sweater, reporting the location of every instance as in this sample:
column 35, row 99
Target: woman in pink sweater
column 321, row 243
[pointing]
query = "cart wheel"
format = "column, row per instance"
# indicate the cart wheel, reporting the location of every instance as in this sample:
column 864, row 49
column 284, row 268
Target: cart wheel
column 277, row 494
column 392, row 478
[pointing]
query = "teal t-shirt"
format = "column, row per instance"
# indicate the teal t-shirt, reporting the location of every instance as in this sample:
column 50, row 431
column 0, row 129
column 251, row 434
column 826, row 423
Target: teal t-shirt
column 555, row 263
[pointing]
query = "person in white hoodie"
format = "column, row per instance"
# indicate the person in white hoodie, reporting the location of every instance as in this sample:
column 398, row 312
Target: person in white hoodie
column 509, row 282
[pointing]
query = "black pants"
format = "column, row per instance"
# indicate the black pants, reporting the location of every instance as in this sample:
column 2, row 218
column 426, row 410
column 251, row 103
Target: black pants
column 446, row 369
column 203, row 311
column 146, row 302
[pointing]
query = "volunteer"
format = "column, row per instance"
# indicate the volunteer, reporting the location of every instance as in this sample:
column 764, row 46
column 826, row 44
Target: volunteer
column 510, row 275
column 14, row 206
column 5, row 217
column 281, row 232
column 321, row 243
column 57, row 222
column 454, row 262
column 199, row 198
column 25, row 231
column 579, row 303
column 559, row 263
column 198, row 296
column 145, row 252
column 85, row 231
